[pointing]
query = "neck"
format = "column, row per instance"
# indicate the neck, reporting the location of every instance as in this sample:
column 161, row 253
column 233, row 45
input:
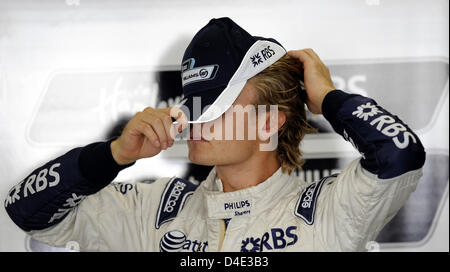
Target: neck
column 248, row 173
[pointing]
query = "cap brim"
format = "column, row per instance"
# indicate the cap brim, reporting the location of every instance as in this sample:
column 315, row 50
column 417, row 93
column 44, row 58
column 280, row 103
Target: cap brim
column 211, row 104
column 215, row 102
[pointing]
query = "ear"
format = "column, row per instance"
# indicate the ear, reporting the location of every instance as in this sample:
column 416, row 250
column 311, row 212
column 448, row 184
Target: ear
column 271, row 121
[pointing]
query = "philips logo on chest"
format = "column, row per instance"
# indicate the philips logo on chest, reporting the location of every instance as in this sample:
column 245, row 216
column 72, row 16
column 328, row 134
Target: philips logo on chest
column 236, row 205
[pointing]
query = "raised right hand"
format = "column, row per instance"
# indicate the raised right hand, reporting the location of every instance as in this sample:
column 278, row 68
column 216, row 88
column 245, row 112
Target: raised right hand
column 147, row 133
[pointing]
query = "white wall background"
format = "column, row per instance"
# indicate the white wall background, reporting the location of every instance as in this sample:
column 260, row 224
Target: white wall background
column 39, row 38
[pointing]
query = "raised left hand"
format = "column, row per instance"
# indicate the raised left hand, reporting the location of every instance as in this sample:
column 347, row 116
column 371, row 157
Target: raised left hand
column 317, row 78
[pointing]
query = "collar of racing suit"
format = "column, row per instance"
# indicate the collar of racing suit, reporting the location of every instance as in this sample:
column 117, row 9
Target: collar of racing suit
column 249, row 201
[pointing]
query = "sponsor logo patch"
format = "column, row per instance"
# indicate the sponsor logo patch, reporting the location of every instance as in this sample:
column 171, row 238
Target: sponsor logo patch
column 123, row 188
column 190, row 74
column 241, row 207
column 172, row 200
column 276, row 238
column 385, row 123
column 306, row 204
column 35, row 183
column 262, row 56
column 365, row 111
column 176, row 240
column 236, row 205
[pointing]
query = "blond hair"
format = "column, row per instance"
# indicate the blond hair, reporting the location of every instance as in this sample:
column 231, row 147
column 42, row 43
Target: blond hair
column 279, row 84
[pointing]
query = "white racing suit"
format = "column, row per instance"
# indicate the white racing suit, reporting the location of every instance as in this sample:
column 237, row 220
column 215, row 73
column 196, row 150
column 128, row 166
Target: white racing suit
column 72, row 199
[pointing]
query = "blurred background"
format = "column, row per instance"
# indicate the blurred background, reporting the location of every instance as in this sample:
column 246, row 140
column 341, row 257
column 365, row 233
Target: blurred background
column 73, row 72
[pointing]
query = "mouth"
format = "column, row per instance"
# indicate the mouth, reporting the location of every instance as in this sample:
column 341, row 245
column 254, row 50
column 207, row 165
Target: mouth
column 197, row 139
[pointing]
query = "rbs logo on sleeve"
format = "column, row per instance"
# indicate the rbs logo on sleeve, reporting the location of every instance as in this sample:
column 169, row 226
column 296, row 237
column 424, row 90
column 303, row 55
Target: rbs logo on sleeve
column 34, row 183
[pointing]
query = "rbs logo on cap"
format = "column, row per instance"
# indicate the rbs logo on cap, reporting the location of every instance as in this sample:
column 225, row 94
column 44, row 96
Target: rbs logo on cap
column 261, row 56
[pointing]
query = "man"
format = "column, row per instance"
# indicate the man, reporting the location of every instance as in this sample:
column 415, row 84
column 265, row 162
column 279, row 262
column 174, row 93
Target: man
column 250, row 201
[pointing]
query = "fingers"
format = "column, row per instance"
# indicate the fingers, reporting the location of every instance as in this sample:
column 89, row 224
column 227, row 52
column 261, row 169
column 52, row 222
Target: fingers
column 313, row 54
column 166, row 121
column 300, row 55
column 148, row 131
column 180, row 117
column 306, row 56
column 158, row 127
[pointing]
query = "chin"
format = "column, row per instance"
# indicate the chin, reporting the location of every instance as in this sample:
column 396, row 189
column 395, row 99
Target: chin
column 201, row 157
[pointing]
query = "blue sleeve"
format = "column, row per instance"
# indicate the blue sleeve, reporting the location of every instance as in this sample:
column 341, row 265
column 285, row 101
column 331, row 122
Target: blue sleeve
column 389, row 148
column 47, row 195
